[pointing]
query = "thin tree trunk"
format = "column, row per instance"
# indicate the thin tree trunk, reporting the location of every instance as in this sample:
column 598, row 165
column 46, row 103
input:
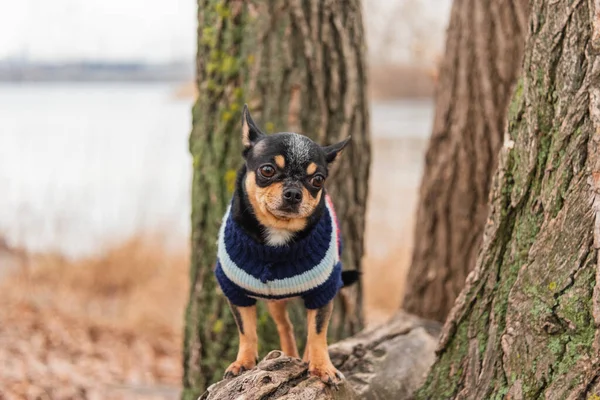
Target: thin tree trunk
column 480, row 67
column 300, row 66
column 526, row 324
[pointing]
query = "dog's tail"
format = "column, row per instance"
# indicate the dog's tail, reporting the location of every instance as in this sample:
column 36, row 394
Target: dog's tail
column 350, row 277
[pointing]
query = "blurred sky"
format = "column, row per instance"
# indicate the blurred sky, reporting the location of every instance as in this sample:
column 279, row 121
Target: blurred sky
column 66, row 30
column 165, row 30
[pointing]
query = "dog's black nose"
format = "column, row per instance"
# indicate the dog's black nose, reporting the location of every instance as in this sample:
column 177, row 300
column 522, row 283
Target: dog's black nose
column 292, row 196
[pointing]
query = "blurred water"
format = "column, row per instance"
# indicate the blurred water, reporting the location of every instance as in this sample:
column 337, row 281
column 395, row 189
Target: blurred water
column 83, row 165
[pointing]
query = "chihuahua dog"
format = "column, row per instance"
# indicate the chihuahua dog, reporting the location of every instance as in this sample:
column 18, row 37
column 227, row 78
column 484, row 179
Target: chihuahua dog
column 280, row 239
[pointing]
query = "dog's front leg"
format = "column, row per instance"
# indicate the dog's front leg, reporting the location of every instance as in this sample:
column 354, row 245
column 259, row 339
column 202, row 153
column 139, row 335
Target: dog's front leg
column 317, row 355
column 245, row 318
column 287, row 341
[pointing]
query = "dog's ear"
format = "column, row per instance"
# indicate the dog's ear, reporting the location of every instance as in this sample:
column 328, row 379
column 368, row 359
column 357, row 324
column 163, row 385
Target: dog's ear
column 333, row 152
column 250, row 132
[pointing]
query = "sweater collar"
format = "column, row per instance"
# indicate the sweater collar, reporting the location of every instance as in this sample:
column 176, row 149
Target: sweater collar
column 237, row 241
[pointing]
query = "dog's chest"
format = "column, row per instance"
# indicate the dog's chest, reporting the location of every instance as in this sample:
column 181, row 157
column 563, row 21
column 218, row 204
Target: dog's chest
column 278, row 237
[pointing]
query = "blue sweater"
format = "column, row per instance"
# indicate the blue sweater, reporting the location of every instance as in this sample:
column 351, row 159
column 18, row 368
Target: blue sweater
column 309, row 268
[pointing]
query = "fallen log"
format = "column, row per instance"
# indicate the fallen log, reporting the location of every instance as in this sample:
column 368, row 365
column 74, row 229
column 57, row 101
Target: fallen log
column 386, row 362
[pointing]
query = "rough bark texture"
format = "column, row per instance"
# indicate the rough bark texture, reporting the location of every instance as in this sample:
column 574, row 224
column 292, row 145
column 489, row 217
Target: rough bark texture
column 300, row 66
column 389, row 362
column 483, row 57
column 526, row 324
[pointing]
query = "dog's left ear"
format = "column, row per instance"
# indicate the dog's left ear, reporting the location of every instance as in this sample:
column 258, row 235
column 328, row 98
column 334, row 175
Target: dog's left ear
column 333, row 151
column 250, row 132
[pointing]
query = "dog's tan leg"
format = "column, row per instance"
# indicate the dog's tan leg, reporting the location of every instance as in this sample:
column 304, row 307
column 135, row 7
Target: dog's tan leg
column 245, row 318
column 278, row 311
column 306, row 355
column 319, row 363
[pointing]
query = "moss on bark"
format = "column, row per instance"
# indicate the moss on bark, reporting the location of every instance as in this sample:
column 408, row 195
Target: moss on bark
column 529, row 308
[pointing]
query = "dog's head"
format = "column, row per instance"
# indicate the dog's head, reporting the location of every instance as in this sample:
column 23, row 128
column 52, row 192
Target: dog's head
column 285, row 174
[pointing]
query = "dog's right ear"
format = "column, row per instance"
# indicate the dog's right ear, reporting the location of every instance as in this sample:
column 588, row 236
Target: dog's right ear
column 250, row 132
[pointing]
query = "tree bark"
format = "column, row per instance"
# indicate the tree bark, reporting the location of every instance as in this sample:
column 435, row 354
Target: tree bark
column 300, row 66
column 482, row 60
column 526, row 324
column 388, row 362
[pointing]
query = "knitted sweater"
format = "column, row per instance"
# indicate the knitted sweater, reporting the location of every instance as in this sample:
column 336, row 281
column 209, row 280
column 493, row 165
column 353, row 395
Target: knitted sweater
column 309, row 268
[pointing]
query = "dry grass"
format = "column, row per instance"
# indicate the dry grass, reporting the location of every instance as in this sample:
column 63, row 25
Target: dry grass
column 385, row 271
column 102, row 327
column 383, row 281
column 110, row 326
column 138, row 284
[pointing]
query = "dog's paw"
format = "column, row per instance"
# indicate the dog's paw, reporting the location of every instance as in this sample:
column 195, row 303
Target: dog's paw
column 237, row 368
column 327, row 373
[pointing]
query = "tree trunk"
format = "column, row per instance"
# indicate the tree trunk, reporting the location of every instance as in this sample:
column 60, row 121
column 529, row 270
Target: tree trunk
column 480, row 67
column 300, row 66
column 388, row 362
column 526, row 324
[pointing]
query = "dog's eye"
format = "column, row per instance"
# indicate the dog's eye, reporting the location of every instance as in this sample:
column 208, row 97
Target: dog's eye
column 317, row 181
column 267, row 171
